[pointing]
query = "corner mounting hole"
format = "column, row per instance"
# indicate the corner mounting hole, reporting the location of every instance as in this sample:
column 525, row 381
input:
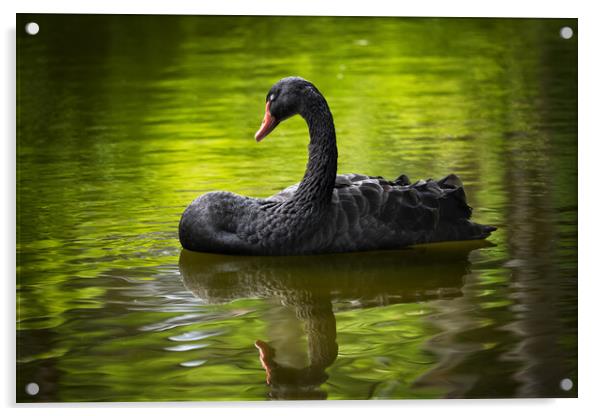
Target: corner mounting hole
column 32, row 389
column 566, row 384
column 566, row 32
column 32, row 28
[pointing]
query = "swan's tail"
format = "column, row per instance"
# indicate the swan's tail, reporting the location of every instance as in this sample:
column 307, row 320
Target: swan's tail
column 462, row 229
column 454, row 212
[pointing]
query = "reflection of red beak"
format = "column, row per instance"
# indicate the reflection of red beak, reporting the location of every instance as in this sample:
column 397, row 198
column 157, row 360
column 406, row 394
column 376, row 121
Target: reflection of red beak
column 266, row 356
column 268, row 124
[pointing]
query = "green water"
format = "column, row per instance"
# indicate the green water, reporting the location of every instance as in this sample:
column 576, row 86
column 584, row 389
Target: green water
column 123, row 120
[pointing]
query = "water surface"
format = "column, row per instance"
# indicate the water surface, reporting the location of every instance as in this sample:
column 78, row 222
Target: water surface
column 123, row 120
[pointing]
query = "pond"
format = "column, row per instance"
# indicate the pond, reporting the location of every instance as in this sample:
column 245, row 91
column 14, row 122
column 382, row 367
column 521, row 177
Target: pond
column 123, row 120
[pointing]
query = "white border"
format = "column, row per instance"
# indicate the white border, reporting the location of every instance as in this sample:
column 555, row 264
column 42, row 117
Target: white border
column 590, row 289
column 511, row 8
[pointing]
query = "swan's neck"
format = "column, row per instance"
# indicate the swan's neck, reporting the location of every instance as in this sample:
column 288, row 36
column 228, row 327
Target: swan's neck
column 320, row 174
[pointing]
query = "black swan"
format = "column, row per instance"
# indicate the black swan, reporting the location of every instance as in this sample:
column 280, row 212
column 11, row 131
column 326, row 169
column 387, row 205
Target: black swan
column 326, row 212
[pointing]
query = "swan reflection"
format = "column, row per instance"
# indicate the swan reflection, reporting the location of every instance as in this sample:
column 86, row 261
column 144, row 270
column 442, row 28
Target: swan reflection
column 311, row 284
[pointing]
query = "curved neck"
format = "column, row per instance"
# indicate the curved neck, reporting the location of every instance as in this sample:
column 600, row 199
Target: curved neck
column 321, row 171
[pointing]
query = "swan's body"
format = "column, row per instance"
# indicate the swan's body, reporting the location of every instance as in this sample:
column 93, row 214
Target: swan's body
column 326, row 212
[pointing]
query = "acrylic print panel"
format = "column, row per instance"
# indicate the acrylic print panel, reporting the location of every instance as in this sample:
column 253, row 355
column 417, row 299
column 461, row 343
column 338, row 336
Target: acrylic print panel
column 122, row 121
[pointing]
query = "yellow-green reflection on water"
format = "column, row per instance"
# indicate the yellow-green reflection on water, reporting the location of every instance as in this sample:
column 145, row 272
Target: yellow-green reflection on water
column 123, row 120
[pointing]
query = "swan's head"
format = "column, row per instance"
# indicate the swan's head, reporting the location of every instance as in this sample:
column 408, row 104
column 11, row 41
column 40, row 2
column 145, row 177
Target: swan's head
column 285, row 99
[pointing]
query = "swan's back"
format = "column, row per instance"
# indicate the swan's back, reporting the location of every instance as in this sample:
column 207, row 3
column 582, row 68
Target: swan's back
column 369, row 212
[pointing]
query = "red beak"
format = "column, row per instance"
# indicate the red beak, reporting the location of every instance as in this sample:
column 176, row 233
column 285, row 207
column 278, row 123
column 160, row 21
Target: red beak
column 268, row 124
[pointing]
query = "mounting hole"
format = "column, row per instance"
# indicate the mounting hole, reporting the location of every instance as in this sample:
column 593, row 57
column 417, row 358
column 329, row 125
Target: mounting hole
column 566, row 384
column 566, row 32
column 32, row 28
column 32, row 389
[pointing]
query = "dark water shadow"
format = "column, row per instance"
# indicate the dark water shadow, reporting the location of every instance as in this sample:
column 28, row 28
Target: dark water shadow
column 310, row 285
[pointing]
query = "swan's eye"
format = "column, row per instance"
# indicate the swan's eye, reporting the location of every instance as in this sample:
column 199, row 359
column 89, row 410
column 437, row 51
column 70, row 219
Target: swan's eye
column 272, row 97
